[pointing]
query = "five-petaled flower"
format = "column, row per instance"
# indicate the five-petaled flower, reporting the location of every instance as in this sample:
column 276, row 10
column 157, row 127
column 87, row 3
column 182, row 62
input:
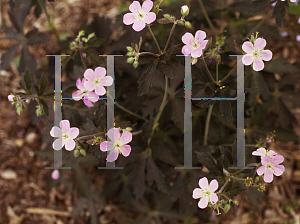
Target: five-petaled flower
column 95, row 80
column 140, row 15
column 64, row 135
column 88, row 96
column 194, row 46
column 263, row 152
column 270, row 166
column 206, row 192
column 255, row 54
column 117, row 144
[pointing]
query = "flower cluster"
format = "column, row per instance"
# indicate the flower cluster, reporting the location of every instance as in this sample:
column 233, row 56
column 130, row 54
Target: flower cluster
column 270, row 164
column 92, row 81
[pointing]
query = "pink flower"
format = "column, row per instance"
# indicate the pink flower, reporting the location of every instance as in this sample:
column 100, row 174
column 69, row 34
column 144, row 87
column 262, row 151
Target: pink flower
column 255, row 54
column 55, row 174
column 270, row 166
column 65, row 136
column 117, row 144
column 206, row 193
column 11, row 98
column 96, row 80
column 263, row 152
column 139, row 16
column 88, row 96
column 298, row 38
column 194, row 46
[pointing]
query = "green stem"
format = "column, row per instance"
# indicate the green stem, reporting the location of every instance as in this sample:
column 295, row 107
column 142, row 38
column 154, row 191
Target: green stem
column 258, row 25
column 207, row 124
column 161, row 108
column 207, row 18
column 212, row 78
column 51, row 25
column 170, row 35
column 150, row 30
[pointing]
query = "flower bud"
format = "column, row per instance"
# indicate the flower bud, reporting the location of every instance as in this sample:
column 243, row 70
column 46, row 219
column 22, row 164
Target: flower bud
column 82, row 152
column 39, row 110
column 227, row 208
column 256, row 179
column 130, row 53
column 236, row 202
column 167, row 16
column 194, row 60
column 55, row 174
column 128, row 129
column 11, row 98
column 19, row 110
column 76, row 152
column 181, row 23
column 185, row 10
column 188, row 24
column 249, row 182
column 135, row 64
column 130, row 60
column 261, row 187
column 129, row 48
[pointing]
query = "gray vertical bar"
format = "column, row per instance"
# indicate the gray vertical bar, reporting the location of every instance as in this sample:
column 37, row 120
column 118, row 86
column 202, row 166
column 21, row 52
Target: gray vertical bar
column 57, row 109
column 188, row 152
column 110, row 104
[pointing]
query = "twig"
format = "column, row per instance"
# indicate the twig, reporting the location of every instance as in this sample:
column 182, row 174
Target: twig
column 170, row 35
column 207, row 124
column 46, row 211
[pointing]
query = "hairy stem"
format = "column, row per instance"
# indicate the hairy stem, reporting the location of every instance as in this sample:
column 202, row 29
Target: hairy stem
column 207, row 18
column 210, row 108
column 161, row 108
column 212, row 78
column 150, row 30
column 170, row 35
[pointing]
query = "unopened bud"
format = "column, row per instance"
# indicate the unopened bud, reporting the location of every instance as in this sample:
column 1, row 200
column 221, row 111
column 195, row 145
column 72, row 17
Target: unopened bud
column 130, row 60
column 130, row 53
column 185, row 10
column 227, row 208
column 135, row 64
column 181, row 23
column 55, row 174
column 39, row 110
column 236, row 202
column 11, row 98
column 128, row 129
column 19, row 110
column 167, row 16
column 129, row 48
column 194, row 60
column 188, row 24
column 76, row 152
column 249, row 182
column 261, row 187
column 72, row 45
column 82, row 152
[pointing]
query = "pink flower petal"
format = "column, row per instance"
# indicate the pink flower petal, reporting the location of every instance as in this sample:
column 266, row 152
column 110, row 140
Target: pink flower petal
column 113, row 134
column 200, row 35
column 266, row 55
column 77, row 95
column 55, row 174
column 70, row 144
column 89, row 85
column 203, row 183
column 128, row 18
column 11, row 97
column 113, row 156
column 247, row 59
column 55, row 132
column 265, row 160
column 203, row 44
column 135, row 5
column 213, row 185
column 278, row 170
column 79, row 84
column 203, row 202
column 100, row 72
column 106, row 146
column 186, row 50
column 107, row 81
column 125, row 138
column 197, row 193
column 139, row 25
column 126, row 150
column 87, row 102
column 57, row 144
column 213, row 198
column 89, row 74
column 65, row 125
column 150, row 17
column 260, row 44
column 259, row 152
column 196, row 53
column 74, row 132
column 268, row 176
column 260, row 171
column 247, row 47
column 147, row 6
column 277, row 159
column 258, row 64
column 100, row 90
column 187, row 38
column 92, row 96
column 271, row 153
